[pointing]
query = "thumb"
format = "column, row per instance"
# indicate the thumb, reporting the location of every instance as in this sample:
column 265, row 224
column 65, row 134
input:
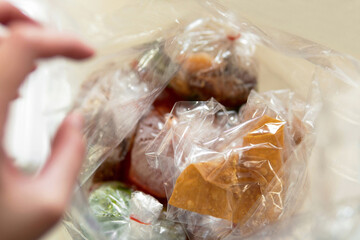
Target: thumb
column 64, row 164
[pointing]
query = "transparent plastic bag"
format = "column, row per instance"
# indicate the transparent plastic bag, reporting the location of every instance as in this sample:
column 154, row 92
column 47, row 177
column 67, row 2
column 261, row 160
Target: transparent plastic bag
column 140, row 171
column 119, row 87
column 131, row 215
column 247, row 172
column 213, row 60
column 112, row 168
column 283, row 61
column 216, row 60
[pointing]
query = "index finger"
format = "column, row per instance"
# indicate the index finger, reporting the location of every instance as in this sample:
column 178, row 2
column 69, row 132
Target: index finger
column 10, row 14
column 19, row 52
column 25, row 44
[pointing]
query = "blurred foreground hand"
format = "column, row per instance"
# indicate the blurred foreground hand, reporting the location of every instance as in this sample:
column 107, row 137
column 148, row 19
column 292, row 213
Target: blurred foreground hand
column 29, row 206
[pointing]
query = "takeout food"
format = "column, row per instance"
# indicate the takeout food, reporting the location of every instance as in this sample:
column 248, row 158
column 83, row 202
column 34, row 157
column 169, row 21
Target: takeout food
column 220, row 166
column 140, row 171
column 214, row 62
column 239, row 170
column 131, row 214
column 208, row 58
column 232, row 186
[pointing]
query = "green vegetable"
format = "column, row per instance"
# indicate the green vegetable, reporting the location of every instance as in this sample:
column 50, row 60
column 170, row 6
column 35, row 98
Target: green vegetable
column 111, row 201
column 110, row 204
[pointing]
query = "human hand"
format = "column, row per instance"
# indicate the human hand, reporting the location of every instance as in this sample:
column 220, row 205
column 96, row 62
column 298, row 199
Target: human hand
column 29, row 205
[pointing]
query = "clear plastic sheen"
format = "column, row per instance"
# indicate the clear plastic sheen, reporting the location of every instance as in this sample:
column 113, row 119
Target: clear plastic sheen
column 131, row 215
column 227, row 177
column 114, row 98
column 331, row 208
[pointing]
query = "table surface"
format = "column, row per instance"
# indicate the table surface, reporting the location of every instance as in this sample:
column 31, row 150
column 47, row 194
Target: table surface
column 331, row 23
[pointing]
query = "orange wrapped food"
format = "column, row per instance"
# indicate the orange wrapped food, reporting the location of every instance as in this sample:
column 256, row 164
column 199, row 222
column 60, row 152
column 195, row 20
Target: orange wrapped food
column 229, row 188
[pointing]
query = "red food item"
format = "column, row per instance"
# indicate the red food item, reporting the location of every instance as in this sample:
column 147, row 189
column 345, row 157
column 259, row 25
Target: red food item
column 141, row 173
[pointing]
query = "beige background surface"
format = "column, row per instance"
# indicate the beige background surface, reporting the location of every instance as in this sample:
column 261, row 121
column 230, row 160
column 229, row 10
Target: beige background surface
column 332, row 23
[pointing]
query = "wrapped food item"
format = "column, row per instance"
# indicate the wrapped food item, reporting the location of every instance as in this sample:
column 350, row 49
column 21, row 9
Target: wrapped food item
column 110, row 201
column 141, row 173
column 284, row 105
column 124, row 214
column 233, row 175
column 117, row 87
column 111, row 168
column 215, row 61
column 285, row 61
column 234, row 185
column 224, row 67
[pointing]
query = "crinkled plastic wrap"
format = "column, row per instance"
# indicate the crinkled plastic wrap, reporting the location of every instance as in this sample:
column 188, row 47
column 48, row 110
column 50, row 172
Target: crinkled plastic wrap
column 112, row 168
column 216, row 60
column 141, row 172
column 114, row 98
column 117, row 91
column 124, row 214
column 232, row 175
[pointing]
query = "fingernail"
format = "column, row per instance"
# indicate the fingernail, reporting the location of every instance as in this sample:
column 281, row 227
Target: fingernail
column 90, row 52
column 76, row 120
